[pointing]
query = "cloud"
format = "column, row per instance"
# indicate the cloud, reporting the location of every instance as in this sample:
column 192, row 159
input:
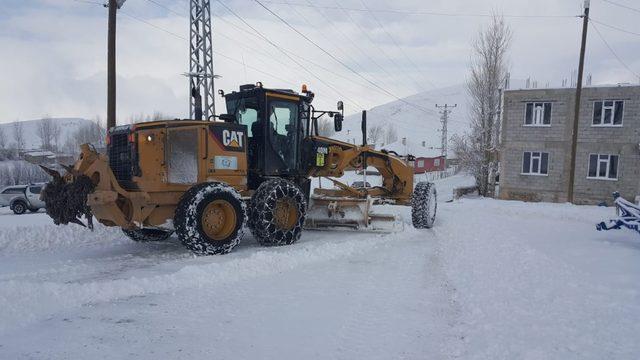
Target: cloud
column 54, row 51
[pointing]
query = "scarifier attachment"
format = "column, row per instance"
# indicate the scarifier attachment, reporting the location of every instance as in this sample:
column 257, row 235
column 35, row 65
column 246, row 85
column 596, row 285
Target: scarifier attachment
column 347, row 213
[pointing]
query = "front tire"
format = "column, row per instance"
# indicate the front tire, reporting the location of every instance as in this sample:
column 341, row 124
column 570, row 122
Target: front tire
column 147, row 235
column 19, row 208
column 278, row 209
column 209, row 218
column 424, row 205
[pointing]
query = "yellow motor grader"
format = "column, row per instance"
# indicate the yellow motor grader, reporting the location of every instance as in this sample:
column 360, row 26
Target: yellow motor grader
column 207, row 180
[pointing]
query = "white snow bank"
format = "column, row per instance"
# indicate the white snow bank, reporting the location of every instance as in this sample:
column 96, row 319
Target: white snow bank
column 24, row 238
column 537, row 281
column 21, row 302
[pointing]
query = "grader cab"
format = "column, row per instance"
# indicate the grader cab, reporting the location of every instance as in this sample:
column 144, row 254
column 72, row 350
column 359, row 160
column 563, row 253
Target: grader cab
column 207, row 180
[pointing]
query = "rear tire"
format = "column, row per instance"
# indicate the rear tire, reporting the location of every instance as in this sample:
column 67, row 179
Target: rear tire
column 424, row 205
column 147, row 235
column 209, row 218
column 277, row 213
column 19, row 207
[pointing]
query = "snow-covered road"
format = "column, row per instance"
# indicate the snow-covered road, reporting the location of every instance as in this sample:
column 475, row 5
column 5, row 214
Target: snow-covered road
column 492, row 280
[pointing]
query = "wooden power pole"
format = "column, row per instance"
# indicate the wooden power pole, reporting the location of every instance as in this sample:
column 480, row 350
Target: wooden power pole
column 113, row 6
column 576, row 112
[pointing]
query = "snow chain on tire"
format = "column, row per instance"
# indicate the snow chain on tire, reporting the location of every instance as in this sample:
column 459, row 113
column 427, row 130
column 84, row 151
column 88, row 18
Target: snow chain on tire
column 194, row 223
column 147, row 235
column 277, row 212
column 424, row 205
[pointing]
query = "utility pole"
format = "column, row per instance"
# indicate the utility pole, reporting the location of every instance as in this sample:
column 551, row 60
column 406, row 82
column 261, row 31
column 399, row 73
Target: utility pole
column 201, row 62
column 445, row 111
column 576, row 112
column 113, row 6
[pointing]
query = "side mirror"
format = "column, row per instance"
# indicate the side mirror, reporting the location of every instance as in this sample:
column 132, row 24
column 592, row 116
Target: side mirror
column 337, row 122
column 340, row 105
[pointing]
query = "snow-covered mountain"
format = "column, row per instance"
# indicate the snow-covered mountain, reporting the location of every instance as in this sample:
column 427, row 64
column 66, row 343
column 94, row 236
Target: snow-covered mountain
column 30, row 129
column 416, row 124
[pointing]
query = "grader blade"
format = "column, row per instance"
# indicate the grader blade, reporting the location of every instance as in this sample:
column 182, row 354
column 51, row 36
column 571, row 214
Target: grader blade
column 345, row 213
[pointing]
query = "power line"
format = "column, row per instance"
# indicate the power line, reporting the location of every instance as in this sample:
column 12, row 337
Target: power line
column 353, row 43
column 622, row 5
column 215, row 52
column 421, row 12
column 266, row 56
column 166, row 8
column 613, row 52
column 287, row 55
column 614, row 27
column 373, row 15
column 90, row 2
column 338, row 60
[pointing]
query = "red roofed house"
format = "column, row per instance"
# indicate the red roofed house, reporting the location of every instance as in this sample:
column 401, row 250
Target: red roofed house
column 427, row 159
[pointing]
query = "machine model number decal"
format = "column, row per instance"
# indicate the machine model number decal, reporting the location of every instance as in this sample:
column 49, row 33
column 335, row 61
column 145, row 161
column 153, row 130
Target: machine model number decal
column 226, row 163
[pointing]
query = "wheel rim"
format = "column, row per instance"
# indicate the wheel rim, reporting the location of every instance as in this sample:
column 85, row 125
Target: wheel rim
column 219, row 220
column 285, row 214
column 18, row 208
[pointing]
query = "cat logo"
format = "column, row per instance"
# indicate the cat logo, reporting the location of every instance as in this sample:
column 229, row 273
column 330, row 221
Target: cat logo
column 232, row 138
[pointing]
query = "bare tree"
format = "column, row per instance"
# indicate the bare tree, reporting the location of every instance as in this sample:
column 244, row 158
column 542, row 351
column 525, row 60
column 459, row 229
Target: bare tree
column 3, row 139
column 18, row 135
column 488, row 70
column 56, row 131
column 90, row 133
column 142, row 117
column 376, row 133
column 391, row 135
column 45, row 132
column 20, row 172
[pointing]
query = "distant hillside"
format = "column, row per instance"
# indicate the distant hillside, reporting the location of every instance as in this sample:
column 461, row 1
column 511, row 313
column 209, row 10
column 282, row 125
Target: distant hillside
column 32, row 141
column 413, row 123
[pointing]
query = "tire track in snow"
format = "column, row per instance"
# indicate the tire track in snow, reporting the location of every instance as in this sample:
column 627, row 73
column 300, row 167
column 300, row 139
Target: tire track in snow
column 22, row 302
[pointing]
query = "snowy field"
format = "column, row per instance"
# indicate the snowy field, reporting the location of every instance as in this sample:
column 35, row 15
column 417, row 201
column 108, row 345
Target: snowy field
column 491, row 280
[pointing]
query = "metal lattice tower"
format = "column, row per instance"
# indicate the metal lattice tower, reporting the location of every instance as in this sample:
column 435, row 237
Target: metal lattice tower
column 200, row 73
column 445, row 111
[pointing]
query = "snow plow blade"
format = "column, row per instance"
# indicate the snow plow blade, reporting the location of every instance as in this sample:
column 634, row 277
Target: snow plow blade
column 345, row 213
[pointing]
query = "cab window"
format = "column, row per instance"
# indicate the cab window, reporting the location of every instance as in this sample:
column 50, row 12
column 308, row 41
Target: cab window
column 35, row 189
column 283, row 117
column 283, row 131
column 247, row 116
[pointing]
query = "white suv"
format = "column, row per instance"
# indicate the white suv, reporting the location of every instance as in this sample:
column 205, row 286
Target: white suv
column 21, row 198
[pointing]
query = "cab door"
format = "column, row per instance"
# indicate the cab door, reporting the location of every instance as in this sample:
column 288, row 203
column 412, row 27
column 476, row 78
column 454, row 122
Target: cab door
column 283, row 134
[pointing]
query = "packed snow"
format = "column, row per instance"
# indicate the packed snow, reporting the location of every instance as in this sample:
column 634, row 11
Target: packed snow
column 492, row 280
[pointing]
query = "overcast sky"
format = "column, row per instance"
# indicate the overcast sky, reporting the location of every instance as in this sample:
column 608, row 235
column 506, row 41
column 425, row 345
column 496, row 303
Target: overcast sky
column 53, row 57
